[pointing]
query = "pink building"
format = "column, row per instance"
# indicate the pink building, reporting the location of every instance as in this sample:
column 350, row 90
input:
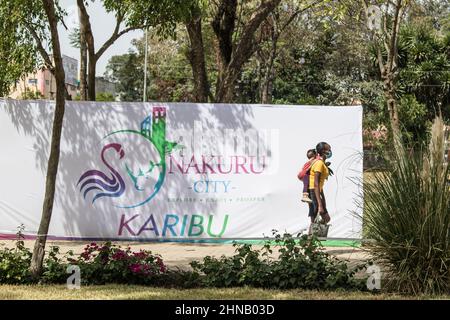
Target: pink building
column 43, row 83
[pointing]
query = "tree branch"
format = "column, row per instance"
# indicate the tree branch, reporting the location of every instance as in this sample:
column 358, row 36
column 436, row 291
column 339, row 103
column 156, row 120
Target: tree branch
column 297, row 12
column 244, row 47
column 44, row 54
column 116, row 35
column 86, row 26
column 395, row 30
column 223, row 25
column 380, row 61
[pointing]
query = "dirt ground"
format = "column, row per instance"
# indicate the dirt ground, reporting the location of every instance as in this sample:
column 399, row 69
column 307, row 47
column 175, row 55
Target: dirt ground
column 181, row 254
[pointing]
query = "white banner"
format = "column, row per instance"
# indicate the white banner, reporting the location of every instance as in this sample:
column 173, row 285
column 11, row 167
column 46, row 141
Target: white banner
column 141, row 171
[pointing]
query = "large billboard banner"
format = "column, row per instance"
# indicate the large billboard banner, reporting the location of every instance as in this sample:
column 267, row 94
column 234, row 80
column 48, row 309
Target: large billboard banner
column 176, row 171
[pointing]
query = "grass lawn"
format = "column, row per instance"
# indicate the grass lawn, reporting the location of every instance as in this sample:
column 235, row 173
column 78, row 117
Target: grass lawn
column 58, row 292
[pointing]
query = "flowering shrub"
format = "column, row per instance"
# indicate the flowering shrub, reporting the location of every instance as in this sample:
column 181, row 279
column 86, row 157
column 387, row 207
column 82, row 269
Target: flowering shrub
column 300, row 264
column 99, row 264
column 110, row 263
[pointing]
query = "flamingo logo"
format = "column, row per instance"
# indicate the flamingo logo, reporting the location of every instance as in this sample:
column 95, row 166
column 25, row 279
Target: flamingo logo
column 95, row 180
column 141, row 183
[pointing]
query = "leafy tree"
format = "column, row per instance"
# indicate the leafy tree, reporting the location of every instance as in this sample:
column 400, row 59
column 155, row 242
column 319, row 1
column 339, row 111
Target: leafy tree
column 325, row 55
column 425, row 67
column 127, row 72
column 130, row 15
column 282, row 21
column 38, row 253
column 169, row 75
column 17, row 48
column 386, row 21
column 234, row 24
column 329, row 67
column 40, row 18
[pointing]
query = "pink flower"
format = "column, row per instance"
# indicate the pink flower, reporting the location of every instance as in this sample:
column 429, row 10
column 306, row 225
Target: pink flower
column 85, row 255
column 140, row 255
column 140, row 268
column 135, row 268
column 120, row 255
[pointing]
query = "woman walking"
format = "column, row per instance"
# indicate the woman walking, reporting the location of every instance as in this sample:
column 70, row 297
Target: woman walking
column 318, row 174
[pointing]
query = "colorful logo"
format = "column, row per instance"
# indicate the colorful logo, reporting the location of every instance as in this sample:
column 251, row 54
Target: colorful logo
column 144, row 179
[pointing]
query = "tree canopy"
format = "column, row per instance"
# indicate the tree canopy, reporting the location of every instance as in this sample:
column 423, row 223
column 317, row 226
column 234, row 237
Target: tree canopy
column 324, row 55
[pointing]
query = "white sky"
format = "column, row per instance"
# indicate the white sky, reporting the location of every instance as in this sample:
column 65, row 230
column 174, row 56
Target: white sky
column 102, row 26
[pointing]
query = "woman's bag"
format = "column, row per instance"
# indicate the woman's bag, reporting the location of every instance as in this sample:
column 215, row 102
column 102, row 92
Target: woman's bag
column 318, row 228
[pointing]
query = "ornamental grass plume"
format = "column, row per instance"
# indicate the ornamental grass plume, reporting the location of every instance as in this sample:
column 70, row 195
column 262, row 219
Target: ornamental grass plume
column 406, row 216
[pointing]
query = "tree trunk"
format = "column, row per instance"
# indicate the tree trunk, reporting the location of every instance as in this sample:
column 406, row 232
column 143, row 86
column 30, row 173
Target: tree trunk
column 52, row 169
column 83, row 60
column 223, row 26
column 389, row 68
column 225, row 91
column 241, row 52
column 196, row 56
column 266, row 87
column 85, row 27
column 267, row 84
column 391, row 100
column 91, row 76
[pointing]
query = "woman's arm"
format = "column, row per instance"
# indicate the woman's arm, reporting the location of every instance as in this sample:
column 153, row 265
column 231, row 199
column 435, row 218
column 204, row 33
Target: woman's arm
column 317, row 175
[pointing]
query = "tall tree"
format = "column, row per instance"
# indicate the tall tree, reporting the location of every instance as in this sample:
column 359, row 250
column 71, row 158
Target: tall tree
column 83, row 59
column 41, row 17
column 235, row 42
column 385, row 19
column 17, row 49
column 53, row 161
column 130, row 15
column 169, row 73
column 272, row 29
column 196, row 54
column 127, row 72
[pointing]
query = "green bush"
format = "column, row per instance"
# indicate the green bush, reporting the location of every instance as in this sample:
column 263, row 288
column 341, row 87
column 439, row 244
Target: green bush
column 54, row 267
column 407, row 214
column 300, row 264
column 15, row 262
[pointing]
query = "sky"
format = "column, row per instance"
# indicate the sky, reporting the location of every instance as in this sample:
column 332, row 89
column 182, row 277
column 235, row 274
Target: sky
column 102, row 25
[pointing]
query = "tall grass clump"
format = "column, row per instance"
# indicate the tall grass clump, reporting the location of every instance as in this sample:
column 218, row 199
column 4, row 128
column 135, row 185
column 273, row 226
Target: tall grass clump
column 406, row 216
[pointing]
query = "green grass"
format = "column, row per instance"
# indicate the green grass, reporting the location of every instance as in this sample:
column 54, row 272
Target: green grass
column 111, row 292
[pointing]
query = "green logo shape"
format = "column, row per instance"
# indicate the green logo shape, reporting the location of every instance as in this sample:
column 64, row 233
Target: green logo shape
column 153, row 129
